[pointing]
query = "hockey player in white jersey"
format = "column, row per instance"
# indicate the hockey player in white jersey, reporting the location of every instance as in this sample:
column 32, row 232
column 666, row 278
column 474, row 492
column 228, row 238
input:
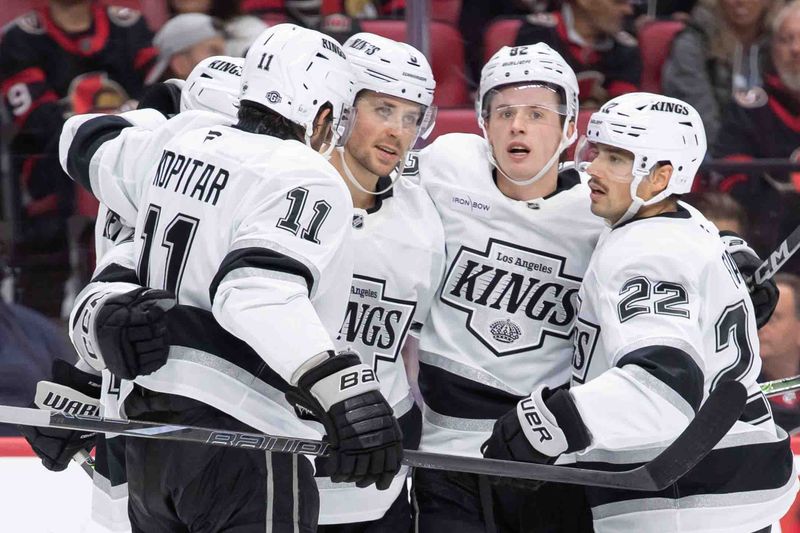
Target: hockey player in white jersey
column 519, row 234
column 281, row 234
column 664, row 317
column 399, row 249
column 211, row 86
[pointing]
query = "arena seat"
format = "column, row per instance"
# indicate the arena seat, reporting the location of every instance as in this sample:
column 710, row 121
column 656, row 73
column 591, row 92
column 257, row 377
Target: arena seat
column 455, row 120
column 655, row 43
column 446, row 11
column 446, row 55
column 583, row 121
column 499, row 33
column 155, row 11
column 14, row 8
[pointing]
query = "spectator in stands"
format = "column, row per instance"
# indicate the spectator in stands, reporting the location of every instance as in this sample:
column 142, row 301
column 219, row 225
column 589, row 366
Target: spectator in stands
column 719, row 56
column 239, row 29
column 589, row 35
column 41, row 55
column 769, row 131
column 780, row 350
column 29, row 343
column 475, row 16
column 721, row 209
column 182, row 43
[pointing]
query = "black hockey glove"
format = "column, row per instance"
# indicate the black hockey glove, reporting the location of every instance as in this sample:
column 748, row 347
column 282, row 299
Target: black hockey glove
column 164, row 97
column 131, row 331
column 344, row 394
column 80, row 393
column 539, row 429
column 764, row 296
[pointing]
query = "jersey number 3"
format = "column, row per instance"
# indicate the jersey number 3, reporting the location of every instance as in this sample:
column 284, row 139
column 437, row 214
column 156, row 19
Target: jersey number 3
column 178, row 237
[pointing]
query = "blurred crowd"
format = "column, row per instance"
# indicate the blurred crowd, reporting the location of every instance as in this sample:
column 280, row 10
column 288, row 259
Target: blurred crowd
column 736, row 61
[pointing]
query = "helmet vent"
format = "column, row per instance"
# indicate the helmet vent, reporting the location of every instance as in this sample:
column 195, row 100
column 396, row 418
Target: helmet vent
column 380, row 76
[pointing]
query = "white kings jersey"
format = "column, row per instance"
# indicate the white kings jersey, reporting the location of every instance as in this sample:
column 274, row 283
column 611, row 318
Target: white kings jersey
column 664, row 317
column 500, row 325
column 399, row 251
column 252, row 235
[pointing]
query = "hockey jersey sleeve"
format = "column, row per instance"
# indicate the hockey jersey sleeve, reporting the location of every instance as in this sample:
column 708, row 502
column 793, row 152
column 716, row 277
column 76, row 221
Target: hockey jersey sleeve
column 110, row 155
column 290, row 248
column 647, row 308
column 115, row 273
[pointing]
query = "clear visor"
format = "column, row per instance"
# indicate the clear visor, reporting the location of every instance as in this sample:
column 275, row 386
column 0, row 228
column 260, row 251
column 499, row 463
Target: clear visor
column 604, row 161
column 534, row 103
column 344, row 126
column 408, row 118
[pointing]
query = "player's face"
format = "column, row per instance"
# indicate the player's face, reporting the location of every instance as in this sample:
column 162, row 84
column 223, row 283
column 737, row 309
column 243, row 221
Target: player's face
column 607, row 15
column 786, row 50
column 744, row 14
column 524, row 127
column 780, row 337
column 384, row 129
column 611, row 172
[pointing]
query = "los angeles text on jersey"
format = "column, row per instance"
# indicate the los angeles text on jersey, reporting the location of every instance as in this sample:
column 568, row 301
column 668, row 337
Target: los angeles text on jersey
column 374, row 322
column 203, row 180
column 513, row 296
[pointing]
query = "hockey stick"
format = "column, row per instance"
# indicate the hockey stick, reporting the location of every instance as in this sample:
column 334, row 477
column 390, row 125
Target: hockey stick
column 779, row 386
column 778, row 258
column 715, row 417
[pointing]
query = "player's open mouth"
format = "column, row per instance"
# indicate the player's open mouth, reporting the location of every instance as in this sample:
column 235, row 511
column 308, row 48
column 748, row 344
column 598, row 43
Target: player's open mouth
column 518, row 150
column 596, row 190
column 387, row 149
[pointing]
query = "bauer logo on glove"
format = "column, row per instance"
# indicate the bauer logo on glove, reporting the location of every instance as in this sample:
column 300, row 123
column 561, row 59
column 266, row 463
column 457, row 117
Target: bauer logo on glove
column 351, row 379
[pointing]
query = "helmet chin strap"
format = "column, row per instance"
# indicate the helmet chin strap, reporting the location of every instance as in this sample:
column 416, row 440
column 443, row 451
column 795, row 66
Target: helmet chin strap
column 357, row 184
column 637, row 203
column 563, row 145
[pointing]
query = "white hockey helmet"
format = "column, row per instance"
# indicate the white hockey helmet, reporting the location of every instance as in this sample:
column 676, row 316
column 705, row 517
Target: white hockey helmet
column 213, row 85
column 654, row 129
column 294, row 72
column 396, row 69
column 532, row 64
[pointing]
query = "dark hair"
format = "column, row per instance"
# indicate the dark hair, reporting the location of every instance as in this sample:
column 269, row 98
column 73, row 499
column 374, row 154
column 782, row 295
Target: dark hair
column 256, row 118
column 793, row 282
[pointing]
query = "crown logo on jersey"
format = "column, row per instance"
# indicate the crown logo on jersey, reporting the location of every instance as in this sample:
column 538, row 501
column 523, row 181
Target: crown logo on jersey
column 274, row 97
column 505, row 331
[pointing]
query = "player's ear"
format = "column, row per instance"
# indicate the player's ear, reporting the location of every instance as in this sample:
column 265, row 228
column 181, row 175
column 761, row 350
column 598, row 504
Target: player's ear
column 659, row 177
column 322, row 128
column 570, row 129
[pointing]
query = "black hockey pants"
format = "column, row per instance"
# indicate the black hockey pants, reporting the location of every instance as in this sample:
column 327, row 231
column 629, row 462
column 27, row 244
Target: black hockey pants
column 449, row 502
column 177, row 487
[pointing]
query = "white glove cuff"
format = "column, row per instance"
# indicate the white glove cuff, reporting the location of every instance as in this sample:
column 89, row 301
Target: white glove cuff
column 83, row 334
column 56, row 397
column 539, row 425
column 344, row 384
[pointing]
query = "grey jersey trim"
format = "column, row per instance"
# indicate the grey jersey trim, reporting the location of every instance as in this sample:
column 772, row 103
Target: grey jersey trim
column 674, row 342
column 660, row 388
column 465, row 371
column 452, row 422
column 102, row 483
column 689, row 502
column 262, row 243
